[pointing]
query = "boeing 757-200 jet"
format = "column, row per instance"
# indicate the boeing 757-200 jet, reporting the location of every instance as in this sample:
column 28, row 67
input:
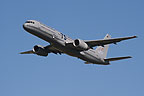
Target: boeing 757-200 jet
column 60, row 43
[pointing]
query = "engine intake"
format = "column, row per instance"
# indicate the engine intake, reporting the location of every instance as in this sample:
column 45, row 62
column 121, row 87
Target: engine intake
column 80, row 44
column 40, row 50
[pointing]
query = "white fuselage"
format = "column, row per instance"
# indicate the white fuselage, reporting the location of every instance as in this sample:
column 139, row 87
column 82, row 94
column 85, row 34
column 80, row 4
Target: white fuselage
column 59, row 41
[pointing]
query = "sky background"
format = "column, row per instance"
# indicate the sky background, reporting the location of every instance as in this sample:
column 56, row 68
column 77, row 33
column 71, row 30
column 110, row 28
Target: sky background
column 55, row 75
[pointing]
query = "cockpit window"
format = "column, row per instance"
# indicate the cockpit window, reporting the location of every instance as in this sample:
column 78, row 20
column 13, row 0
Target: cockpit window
column 29, row 22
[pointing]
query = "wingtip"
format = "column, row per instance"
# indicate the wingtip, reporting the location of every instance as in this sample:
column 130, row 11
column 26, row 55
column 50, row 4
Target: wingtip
column 129, row 57
column 21, row 53
column 135, row 36
column 27, row 52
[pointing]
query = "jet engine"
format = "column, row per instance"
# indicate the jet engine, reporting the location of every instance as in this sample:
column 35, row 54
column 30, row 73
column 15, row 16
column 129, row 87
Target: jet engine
column 40, row 50
column 80, row 44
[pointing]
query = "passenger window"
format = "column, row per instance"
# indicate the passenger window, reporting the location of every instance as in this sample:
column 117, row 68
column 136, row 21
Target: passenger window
column 29, row 22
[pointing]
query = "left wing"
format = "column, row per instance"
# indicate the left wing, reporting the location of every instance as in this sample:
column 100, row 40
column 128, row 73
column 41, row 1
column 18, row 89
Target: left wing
column 52, row 49
column 47, row 49
column 27, row 52
column 93, row 43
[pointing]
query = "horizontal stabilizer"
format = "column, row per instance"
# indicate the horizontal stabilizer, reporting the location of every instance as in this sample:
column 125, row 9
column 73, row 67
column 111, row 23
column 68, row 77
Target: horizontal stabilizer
column 117, row 58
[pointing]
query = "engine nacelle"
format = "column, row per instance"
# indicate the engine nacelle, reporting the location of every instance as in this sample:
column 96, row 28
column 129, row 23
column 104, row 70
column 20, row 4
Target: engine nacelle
column 40, row 50
column 80, row 44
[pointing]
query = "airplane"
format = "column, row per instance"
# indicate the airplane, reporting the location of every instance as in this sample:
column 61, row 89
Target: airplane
column 62, row 44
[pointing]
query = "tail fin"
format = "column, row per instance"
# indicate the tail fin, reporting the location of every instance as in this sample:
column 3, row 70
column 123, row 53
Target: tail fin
column 102, row 50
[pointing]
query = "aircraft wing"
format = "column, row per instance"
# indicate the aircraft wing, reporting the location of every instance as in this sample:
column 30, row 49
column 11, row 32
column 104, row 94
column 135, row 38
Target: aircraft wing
column 52, row 49
column 93, row 43
column 49, row 49
column 27, row 52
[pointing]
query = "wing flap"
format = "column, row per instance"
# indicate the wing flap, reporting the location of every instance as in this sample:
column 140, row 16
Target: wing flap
column 117, row 58
column 52, row 49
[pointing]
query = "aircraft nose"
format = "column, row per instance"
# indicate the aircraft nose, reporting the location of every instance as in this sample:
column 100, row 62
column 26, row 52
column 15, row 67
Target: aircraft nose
column 24, row 25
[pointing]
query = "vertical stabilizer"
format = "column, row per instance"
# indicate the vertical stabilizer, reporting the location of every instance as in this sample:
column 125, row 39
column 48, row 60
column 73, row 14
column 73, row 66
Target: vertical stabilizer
column 102, row 50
